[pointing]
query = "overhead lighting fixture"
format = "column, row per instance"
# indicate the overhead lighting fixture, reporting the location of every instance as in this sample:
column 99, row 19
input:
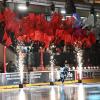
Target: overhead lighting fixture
column 97, row 15
column 70, row 6
column 82, row 17
column 22, row 7
column 63, row 11
column 68, row 16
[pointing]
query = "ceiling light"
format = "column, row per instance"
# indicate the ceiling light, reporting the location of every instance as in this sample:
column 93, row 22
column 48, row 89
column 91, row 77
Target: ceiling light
column 97, row 15
column 63, row 11
column 82, row 17
column 22, row 7
column 68, row 16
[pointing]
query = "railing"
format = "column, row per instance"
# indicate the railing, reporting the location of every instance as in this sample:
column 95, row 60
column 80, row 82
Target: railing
column 45, row 76
column 91, row 73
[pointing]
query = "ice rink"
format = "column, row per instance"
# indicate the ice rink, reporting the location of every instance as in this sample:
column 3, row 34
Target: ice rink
column 61, row 92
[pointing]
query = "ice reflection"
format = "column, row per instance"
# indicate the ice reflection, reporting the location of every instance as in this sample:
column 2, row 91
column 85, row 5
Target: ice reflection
column 58, row 89
column 52, row 94
column 94, row 97
column 22, row 95
column 62, row 93
column 93, row 93
column 81, row 92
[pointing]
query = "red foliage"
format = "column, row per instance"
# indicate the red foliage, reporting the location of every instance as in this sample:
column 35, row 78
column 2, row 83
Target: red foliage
column 1, row 17
column 36, row 28
column 8, row 42
column 5, row 36
column 69, row 22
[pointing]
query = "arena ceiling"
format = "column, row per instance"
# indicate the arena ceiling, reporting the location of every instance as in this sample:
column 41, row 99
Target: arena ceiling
column 81, row 1
column 83, row 6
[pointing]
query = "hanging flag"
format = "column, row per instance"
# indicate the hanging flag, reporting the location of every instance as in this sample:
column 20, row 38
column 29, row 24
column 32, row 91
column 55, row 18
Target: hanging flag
column 90, row 21
column 70, row 7
column 52, row 7
column 78, row 21
column 93, row 12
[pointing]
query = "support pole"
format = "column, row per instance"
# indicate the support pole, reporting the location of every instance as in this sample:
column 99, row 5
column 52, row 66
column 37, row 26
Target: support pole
column 41, row 59
column 4, row 58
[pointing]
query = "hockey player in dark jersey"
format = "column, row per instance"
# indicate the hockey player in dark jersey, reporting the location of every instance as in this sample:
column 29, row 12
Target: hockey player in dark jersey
column 63, row 73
